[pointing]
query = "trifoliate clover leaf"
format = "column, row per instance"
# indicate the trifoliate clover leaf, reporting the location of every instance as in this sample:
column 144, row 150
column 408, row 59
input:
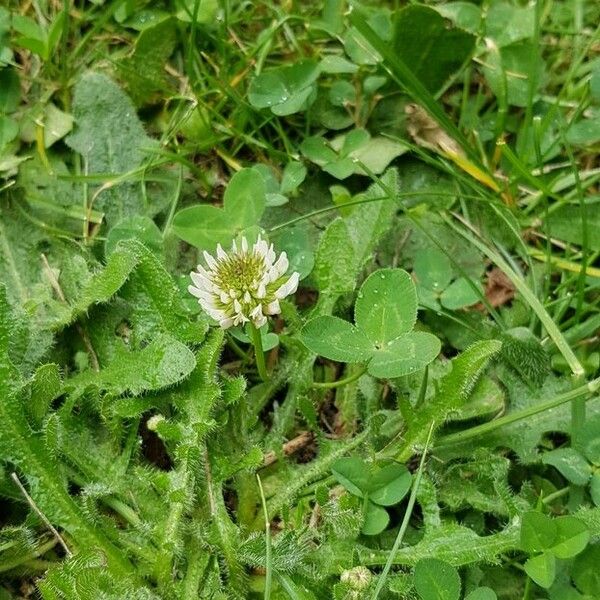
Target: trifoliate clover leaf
column 285, row 90
column 385, row 314
column 205, row 226
column 348, row 153
column 437, row 283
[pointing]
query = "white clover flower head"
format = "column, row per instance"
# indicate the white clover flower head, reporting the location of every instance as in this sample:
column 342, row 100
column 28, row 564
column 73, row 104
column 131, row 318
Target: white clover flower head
column 357, row 578
column 244, row 284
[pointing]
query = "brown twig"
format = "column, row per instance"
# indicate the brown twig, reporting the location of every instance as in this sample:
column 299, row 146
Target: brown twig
column 41, row 515
column 295, row 444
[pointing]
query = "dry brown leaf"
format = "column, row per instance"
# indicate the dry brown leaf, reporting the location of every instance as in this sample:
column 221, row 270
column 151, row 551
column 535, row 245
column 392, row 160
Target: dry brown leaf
column 426, row 132
column 499, row 288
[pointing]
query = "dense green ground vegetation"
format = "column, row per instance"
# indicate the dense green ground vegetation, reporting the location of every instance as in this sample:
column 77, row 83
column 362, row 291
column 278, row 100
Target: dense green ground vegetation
column 419, row 419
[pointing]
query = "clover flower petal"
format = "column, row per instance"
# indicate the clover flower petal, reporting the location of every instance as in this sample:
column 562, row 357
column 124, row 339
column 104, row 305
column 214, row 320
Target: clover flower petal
column 243, row 285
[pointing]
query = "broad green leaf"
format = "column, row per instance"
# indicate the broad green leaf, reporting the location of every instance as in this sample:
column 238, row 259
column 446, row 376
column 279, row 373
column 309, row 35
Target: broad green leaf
column 511, row 70
column 428, row 299
column 294, row 241
column 296, row 103
column 542, row 569
column 269, row 339
column 386, row 306
column 353, row 473
column 244, row 199
column 506, row 23
column 32, row 35
column 332, row 16
column 585, row 132
column 355, row 152
column 331, row 117
column 369, row 222
column 203, row 226
column 337, row 65
column 460, row 294
column 293, row 175
column 285, row 90
column 406, row 354
column 464, row 14
column 565, row 223
column 276, row 199
column 9, row 164
column 447, row 48
column 375, row 155
column 564, row 590
column 57, row 124
column 538, row 532
column 9, row 129
column 436, row 580
column 341, row 168
column 340, row 196
column 315, row 148
column 144, row 69
column 482, row 593
column 594, row 83
column 572, row 537
column 112, row 141
column 433, row 269
column 51, row 197
column 487, row 400
column 389, row 485
column 570, row 464
column 585, row 572
column 352, row 141
column 267, row 90
column 336, row 339
column 376, row 519
column 358, row 48
column 10, row 90
column 203, row 12
column 590, row 439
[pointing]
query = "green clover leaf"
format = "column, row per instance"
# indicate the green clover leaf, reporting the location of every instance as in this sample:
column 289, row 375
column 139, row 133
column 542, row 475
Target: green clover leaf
column 345, row 154
column 205, row 226
column 385, row 314
column 437, row 283
column 380, row 486
column 285, row 90
column 542, row 569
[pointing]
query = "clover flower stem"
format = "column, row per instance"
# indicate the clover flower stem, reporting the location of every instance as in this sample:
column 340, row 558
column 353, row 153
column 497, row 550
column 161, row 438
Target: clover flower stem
column 268, row 557
column 340, row 382
column 258, row 352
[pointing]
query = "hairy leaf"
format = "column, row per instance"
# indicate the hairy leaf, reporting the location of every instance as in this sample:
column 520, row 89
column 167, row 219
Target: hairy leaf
column 455, row 389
